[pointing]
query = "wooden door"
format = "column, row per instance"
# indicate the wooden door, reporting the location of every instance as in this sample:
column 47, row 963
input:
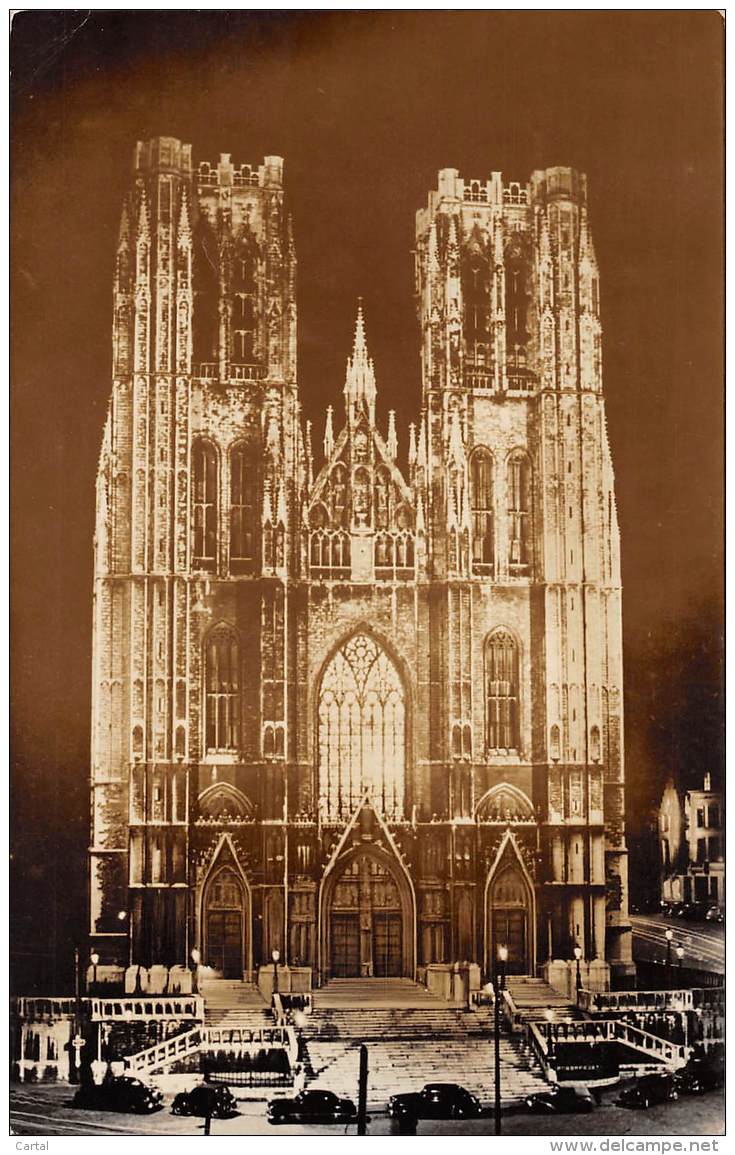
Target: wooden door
column 224, row 942
column 509, row 928
column 387, row 946
column 345, row 952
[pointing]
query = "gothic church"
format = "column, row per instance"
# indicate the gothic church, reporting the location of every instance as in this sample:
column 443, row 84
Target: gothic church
column 357, row 705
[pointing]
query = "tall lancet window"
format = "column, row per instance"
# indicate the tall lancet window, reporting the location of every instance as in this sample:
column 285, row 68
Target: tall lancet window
column 501, row 691
column 222, row 679
column 482, row 501
column 243, row 499
column 243, row 320
column 516, row 311
column 362, row 732
column 205, row 332
column 204, row 505
column 476, row 292
column 519, row 490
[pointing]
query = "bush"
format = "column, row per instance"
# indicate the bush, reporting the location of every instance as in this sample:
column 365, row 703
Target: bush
column 50, row 1075
column 30, row 1075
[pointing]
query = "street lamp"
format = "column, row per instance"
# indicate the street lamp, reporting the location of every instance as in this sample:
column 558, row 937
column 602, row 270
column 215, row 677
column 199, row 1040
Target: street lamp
column 196, row 958
column 498, row 987
column 275, row 955
column 94, row 958
column 578, row 957
column 680, row 956
column 669, row 936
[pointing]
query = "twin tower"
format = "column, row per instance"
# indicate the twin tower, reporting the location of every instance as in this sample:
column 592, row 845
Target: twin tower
column 357, row 703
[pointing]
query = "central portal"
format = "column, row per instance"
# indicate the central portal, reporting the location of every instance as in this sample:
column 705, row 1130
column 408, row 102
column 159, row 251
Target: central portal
column 367, row 919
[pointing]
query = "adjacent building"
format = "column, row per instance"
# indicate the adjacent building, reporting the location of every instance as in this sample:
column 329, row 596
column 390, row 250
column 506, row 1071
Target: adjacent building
column 691, row 837
column 355, row 702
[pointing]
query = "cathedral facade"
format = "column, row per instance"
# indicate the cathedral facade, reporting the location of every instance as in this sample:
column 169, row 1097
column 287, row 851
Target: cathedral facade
column 358, row 706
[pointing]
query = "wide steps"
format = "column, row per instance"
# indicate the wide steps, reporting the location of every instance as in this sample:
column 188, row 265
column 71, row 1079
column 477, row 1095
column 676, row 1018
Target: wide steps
column 394, row 1067
column 382, row 1024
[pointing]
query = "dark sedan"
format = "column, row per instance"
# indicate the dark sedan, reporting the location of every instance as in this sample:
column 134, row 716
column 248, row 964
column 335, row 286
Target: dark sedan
column 206, row 1101
column 124, row 1094
column 435, row 1101
column 647, row 1091
column 312, row 1107
column 561, row 1101
column 698, row 1077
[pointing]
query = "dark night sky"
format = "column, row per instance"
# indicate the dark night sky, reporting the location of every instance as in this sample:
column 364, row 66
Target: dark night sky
column 366, row 108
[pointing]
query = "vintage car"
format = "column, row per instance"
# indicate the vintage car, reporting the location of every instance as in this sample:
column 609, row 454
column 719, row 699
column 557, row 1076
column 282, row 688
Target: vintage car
column 206, row 1101
column 647, row 1091
column 435, row 1101
column 561, row 1101
column 312, row 1107
column 123, row 1093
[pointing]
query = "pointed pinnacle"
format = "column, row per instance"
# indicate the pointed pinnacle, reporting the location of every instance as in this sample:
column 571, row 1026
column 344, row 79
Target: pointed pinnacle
column 328, row 434
column 392, row 442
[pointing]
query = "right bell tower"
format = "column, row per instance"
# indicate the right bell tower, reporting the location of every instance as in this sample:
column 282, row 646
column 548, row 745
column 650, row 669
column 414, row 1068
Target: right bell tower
column 508, row 299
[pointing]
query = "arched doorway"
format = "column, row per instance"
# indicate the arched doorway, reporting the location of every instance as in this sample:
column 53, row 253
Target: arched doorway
column 361, row 726
column 225, row 924
column 367, row 919
column 510, row 913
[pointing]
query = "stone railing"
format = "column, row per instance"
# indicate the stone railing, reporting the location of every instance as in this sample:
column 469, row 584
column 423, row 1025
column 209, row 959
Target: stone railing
column 545, row 1037
column 162, row 1054
column 227, row 1039
column 613, row 1002
column 32, row 1009
column 143, row 1009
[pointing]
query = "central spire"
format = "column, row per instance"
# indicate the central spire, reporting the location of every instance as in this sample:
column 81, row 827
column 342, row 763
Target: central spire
column 360, row 386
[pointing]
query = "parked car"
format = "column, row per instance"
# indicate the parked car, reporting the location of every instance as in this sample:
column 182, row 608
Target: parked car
column 206, row 1101
column 312, row 1107
column 695, row 911
column 435, row 1101
column 561, row 1101
column 698, row 1077
column 123, row 1093
column 714, row 914
column 647, row 1091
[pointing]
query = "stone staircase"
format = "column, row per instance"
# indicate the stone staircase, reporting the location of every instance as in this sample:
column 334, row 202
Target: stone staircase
column 407, row 1064
column 421, row 1041
column 230, row 1003
column 532, row 1000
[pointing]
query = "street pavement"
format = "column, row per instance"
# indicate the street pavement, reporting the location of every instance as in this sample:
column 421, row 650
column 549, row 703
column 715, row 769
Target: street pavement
column 703, row 942
column 46, row 1110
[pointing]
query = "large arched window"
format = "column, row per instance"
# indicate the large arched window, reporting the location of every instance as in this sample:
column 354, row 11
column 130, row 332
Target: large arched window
column 362, row 735
column 204, row 505
column 222, row 678
column 519, row 490
column 482, row 500
column 243, row 500
column 501, row 691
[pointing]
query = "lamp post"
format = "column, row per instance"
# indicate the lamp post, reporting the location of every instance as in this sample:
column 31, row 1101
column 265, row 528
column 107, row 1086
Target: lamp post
column 498, row 988
column 680, row 956
column 195, row 960
column 669, row 936
column 94, row 958
column 578, row 980
column 275, row 955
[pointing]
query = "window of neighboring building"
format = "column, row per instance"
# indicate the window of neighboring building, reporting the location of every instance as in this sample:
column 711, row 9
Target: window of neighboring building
column 482, row 502
column 204, row 504
column 222, row 679
column 700, row 816
column 243, row 489
column 501, row 681
column 715, row 852
column 713, row 815
column 701, row 849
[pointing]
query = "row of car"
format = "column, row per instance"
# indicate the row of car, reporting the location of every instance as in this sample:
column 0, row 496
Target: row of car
column 434, row 1101
column 693, row 911
column 129, row 1095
